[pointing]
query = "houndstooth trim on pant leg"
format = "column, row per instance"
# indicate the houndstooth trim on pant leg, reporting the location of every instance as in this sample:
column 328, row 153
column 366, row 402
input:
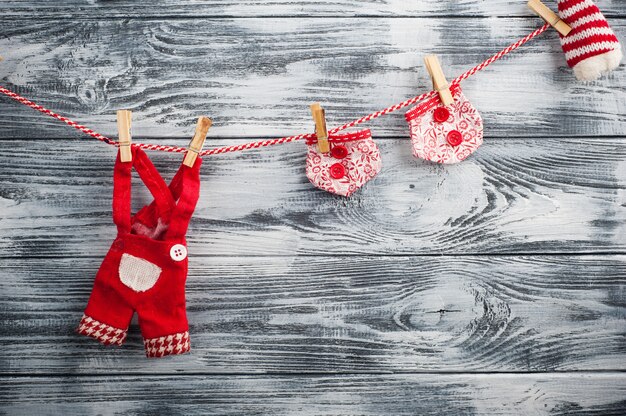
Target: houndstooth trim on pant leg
column 167, row 345
column 106, row 334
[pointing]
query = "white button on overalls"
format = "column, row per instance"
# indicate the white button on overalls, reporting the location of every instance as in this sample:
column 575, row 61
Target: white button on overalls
column 178, row 252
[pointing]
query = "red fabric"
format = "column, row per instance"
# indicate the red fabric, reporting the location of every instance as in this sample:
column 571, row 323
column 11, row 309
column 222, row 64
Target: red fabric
column 161, row 308
column 591, row 34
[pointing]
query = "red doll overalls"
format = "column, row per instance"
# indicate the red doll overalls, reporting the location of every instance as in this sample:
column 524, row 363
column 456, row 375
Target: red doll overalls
column 146, row 267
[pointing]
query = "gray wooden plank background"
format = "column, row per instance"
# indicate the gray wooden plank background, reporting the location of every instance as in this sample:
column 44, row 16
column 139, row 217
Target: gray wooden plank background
column 256, row 77
column 372, row 394
column 26, row 9
column 341, row 314
column 495, row 286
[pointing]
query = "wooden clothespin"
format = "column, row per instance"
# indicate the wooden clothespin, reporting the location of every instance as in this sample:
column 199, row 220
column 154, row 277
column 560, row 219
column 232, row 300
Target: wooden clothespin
column 123, row 134
column 197, row 141
column 549, row 16
column 319, row 116
column 440, row 84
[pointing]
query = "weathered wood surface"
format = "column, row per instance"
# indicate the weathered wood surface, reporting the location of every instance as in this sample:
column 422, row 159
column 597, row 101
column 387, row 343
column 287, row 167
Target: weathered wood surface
column 524, row 195
column 256, row 77
column 32, row 9
column 400, row 394
column 337, row 314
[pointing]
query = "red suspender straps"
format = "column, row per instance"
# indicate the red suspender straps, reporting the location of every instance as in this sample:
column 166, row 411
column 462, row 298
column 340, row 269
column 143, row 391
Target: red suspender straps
column 122, row 189
column 185, row 188
column 190, row 182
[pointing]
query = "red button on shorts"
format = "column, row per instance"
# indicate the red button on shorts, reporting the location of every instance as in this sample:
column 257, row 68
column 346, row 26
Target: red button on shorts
column 339, row 151
column 337, row 171
column 454, row 138
column 441, row 114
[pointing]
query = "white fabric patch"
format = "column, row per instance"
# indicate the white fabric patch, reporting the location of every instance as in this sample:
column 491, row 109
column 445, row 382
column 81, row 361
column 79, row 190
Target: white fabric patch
column 138, row 274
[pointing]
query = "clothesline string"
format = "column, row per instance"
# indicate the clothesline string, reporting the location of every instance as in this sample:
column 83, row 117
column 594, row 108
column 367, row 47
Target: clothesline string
column 281, row 140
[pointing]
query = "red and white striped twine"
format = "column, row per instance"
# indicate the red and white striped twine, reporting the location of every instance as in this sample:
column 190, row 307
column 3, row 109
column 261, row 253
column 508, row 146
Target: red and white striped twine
column 281, row 140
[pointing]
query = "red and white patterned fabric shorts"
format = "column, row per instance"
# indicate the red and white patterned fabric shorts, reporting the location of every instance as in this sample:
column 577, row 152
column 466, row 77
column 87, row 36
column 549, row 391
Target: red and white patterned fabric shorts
column 445, row 134
column 353, row 160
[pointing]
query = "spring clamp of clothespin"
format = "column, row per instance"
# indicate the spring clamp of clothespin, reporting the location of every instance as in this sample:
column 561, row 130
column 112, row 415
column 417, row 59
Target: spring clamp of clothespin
column 549, row 16
column 440, row 84
column 124, row 135
column 197, row 141
column 319, row 116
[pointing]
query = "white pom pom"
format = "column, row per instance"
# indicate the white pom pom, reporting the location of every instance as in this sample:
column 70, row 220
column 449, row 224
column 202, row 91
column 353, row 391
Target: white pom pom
column 594, row 67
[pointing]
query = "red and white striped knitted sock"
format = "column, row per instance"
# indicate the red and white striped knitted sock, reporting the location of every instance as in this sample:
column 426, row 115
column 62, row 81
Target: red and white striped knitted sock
column 591, row 48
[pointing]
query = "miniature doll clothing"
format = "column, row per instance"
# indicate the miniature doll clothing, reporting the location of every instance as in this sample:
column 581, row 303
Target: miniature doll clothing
column 445, row 134
column 353, row 160
column 143, row 274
